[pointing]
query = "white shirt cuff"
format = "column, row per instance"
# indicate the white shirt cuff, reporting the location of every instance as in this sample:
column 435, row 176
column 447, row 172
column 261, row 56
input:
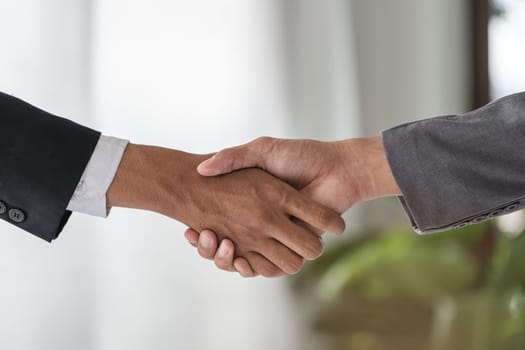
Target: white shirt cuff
column 90, row 194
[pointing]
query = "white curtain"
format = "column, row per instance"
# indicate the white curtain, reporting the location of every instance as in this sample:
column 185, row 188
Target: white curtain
column 46, row 291
column 201, row 75
column 196, row 76
column 193, row 75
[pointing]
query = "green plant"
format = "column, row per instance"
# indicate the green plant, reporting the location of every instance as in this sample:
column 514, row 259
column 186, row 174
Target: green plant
column 463, row 289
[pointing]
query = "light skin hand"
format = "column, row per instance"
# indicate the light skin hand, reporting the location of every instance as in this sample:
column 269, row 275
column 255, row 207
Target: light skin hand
column 249, row 207
column 336, row 174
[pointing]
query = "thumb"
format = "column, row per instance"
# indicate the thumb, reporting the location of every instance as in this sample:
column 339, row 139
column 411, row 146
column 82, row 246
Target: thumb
column 231, row 159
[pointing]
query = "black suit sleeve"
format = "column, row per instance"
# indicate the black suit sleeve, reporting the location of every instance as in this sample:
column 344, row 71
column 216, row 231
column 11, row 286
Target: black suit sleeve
column 42, row 158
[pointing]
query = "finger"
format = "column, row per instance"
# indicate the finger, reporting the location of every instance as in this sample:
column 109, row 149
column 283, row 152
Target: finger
column 313, row 191
column 307, row 226
column 262, row 266
column 303, row 242
column 207, row 245
column 282, row 257
column 316, row 215
column 224, row 256
column 243, row 267
column 192, row 236
column 310, row 193
column 249, row 155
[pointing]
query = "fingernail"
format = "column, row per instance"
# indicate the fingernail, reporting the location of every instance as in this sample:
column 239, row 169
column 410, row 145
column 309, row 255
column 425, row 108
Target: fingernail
column 223, row 251
column 205, row 242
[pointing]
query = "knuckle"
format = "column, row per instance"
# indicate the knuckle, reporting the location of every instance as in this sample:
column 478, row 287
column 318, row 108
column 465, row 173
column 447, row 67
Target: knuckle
column 254, row 238
column 267, row 224
column 264, row 217
column 221, row 155
column 271, row 190
column 262, row 140
column 284, row 197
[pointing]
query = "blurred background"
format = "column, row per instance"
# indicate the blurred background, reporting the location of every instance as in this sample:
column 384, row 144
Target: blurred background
column 202, row 75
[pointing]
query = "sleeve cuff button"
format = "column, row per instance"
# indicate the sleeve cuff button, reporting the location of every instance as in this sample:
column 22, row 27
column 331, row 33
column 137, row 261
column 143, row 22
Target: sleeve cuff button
column 479, row 219
column 17, row 215
column 511, row 207
column 495, row 213
column 463, row 224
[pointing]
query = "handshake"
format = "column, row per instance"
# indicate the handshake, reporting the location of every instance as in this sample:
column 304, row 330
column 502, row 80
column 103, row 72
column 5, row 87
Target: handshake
column 260, row 208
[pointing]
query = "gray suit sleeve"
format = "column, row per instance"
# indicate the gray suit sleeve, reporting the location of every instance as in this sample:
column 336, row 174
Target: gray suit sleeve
column 458, row 170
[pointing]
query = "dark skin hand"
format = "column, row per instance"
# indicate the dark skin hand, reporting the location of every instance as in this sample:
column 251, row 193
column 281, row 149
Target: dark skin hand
column 253, row 209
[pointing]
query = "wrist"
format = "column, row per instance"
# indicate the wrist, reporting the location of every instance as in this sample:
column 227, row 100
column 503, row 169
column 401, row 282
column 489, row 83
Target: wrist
column 366, row 160
column 157, row 179
column 132, row 182
column 151, row 178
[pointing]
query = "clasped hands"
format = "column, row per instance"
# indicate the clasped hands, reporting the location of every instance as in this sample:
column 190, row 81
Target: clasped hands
column 334, row 174
column 260, row 208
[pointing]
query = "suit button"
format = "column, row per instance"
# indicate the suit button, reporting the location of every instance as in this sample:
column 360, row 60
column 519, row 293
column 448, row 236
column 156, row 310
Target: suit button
column 3, row 207
column 17, row 215
column 495, row 213
column 479, row 219
column 511, row 207
column 463, row 224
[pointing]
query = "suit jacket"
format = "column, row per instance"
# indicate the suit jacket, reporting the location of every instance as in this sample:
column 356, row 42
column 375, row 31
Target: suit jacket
column 43, row 157
column 458, row 170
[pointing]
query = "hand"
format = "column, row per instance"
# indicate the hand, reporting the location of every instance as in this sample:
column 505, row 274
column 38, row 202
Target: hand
column 336, row 174
column 249, row 207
